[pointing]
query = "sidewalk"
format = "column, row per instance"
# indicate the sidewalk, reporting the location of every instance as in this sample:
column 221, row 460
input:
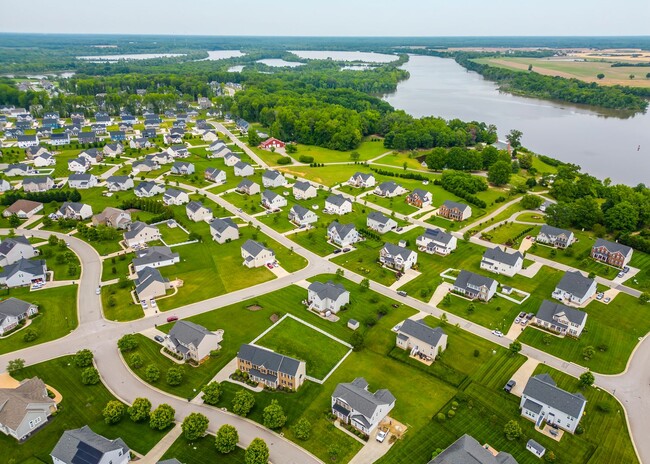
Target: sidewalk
column 162, row 446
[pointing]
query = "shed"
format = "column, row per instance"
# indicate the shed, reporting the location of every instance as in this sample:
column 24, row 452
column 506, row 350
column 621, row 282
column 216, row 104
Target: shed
column 535, row 448
column 353, row 324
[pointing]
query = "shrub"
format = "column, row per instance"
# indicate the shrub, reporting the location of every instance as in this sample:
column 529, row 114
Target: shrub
column 152, row 373
column 113, row 412
column 451, row 413
column 242, row 403
column 127, row 343
column 90, row 376
column 162, row 417
column 302, row 429
column 604, row 406
column 306, row 159
column 136, row 361
column 441, row 417
column 273, row 416
column 30, row 335
column 83, row 358
column 284, row 160
column 211, row 393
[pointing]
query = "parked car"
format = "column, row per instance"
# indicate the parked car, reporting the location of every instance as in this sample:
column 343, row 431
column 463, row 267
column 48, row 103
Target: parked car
column 607, row 300
column 626, row 269
column 159, row 339
column 172, row 318
column 402, row 293
column 381, row 436
column 511, row 383
column 620, row 274
column 338, row 250
column 600, row 296
column 144, row 304
column 517, row 320
column 522, row 315
column 345, row 250
column 98, row 290
column 153, row 304
column 269, row 265
column 498, row 333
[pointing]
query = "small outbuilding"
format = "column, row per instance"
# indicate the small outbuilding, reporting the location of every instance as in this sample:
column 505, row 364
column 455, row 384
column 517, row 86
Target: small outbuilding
column 535, row 448
column 353, row 324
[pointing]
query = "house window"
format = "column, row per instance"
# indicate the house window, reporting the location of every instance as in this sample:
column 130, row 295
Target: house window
column 34, row 423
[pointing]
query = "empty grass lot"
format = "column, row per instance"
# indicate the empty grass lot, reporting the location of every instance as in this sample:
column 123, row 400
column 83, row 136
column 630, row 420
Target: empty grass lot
column 57, row 315
column 81, row 405
column 294, row 339
column 119, row 263
column 172, row 235
column 642, row 279
column 613, row 342
column 201, row 451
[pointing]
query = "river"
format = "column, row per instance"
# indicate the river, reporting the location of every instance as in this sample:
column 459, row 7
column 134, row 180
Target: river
column 603, row 144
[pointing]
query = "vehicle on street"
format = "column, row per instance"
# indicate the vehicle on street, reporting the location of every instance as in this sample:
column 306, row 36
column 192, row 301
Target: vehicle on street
column 401, row 293
column 381, row 436
column 498, row 333
column 511, row 383
column 172, row 318
column 159, row 339
column 98, row 290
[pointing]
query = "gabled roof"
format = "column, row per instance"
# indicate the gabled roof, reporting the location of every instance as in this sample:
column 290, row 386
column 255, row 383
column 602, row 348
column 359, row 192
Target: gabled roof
column 303, row 186
column 542, row 389
column 356, row 394
column 23, row 205
column 117, row 179
column 10, row 243
column 220, row 225
column 337, row 200
column 194, row 206
column 300, row 211
column 147, row 276
column 364, row 176
column 575, row 283
column 13, row 307
column 554, row 231
column 548, row 309
column 420, row 193
column 396, row 250
column 454, row 204
column 172, row 192
column 28, row 266
column 254, row 248
column 388, row 186
column 270, row 360
column 188, row 333
column 466, row 277
column 613, row 247
column 327, row 290
column 341, row 229
column 83, row 446
column 379, row 217
column 271, row 174
column 466, row 450
column 15, row 402
column 501, row 256
column 421, row 331
column 152, row 255
column 437, row 235
column 80, row 177
column 241, row 165
column 245, row 183
column 146, row 186
column 136, row 228
column 270, row 195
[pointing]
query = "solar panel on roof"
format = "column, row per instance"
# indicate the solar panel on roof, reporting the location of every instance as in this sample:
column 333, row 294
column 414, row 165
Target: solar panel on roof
column 86, row 454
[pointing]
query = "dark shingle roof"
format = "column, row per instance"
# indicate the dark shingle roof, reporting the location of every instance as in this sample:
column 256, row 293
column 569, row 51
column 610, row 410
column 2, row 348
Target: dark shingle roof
column 542, row 389
column 187, row 333
column 270, row 360
column 421, row 331
column 613, row 247
column 152, row 255
column 437, row 235
column 466, row 450
column 466, row 277
column 575, row 283
column 342, row 229
column 554, row 231
column 327, row 290
column 454, row 204
column 356, row 394
column 337, row 200
column 220, row 225
column 548, row 309
column 83, row 446
column 501, row 256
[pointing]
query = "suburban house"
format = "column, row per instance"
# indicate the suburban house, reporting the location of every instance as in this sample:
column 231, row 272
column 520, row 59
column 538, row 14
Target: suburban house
column 83, row 446
column 343, row 235
column 231, row 159
column 78, row 165
column 302, row 216
column 242, row 126
column 92, row 155
column 271, row 369
column 16, row 248
column 112, row 217
column 182, row 168
column 25, row 408
column 327, row 297
column 5, row 186
column 192, row 341
column 272, row 143
column 242, row 169
column 140, row 233
column 545, row 205
column 175, row 197
column 223, row 230
column 353, row 404
column 575, row 288
column 82, row 181
column 248, row 187
column 44, row 160
column 19, row 169
column 389, row 189
column 543, row 401
column 397, row 257
column 560, row 319
column 256, row 255
column 475, row 286
column 140, row 142
column 117, row 136
column 466, row 450
column 420, row 339
column 25, row 141
column 362, row 180
column 197, row 212
column 612, row 253
column 271, row 179
column 419, row 198
column 24, row 272
column 380, row 223
column 215, row 175
column 12, row 312
column 159, row 158
column 436, row 241
column 87, row 137
column 338, row 204
column 304, row 190
column 555, row 236
column 272, row 201
column 73, row 210
column 155, row 256
column 145, row 165
column 454, row 211
column 220, row 150
column 113, row 149
column 60, row 139
column 150, row 284
column 148, row 189
column 24, row 209
column 501, row 262
column 37, row 150
column 119, row 183
column 38, row 184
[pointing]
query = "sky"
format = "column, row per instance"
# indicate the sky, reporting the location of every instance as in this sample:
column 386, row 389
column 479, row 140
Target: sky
column 410, row 18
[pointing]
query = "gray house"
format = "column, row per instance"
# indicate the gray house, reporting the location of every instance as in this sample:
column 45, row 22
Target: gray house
column 304, row 190
column 182, row 168
column 148, row 189
column 25, row 408
column 223, row 230
column 328, row 296
column 83, row 446
column 342, row 235
column 560, row 319
column 301, row 216
column 575, row 288
column 397, row 257
column 248, row 187
column 436, row 241
column 554, row 236
column 466, row 450
column 338, row 204
column 379, row 222
column 119, row 183
column 501, row 262
column 13, row 311
column 140, row 233
column 82, row 181
column 24, row 272
column 197, row 212
column 15, row 248
column 272, row 201
column 389, row 189
column 420, row 339
column 475, row 286
column 353, row 404
column 192, row 341
column 150, row 284
column 271, row 179
column 155, row 256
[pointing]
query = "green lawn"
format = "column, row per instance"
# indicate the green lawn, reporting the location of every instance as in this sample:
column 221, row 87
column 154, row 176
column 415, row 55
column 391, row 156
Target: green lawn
column 292, row 338
column 613, row 342
column 642, row 279
column 326, row 175
column 57, row 315
column 506, row 233
column 201, row 451
column 124, row 308
column 367, row 150
column 397, row 159
column 278, row 221
column 62, row 261
column 81, row 405
column 172, row 235
column 532, row 217
column 119, row 263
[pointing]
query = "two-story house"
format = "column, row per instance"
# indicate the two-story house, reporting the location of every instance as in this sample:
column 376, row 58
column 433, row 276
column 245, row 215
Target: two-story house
column 612, row 253
column 338, row 204
column 272, row 178
column 575, row 288
column 353, row 404
column 328, row 296
column 15, row 248
column 150, row 284
column 272, row 201
column 74, row 210
column 223, row 230
column 192, row 341
column 436, row 241
column 380, row 223
column 342, row 235
column 155, row 256
column 148, row 189
column 304, row 190
column 83, row 446
column 302, row 216
column 197, row 212
column 175, row 197
column 419, row 198
column 182, row 168
column 420, row 339
column 554, row 236
column 25, row 409
column 389, row 189
column 362, row 180
column 560, row 319
column 248, row 187
column 38, row 184
column 119, row 183
column 501, row 262
column 140, row 233
column 242, row 169
column 82, row 181
column 113, row 217
column 475, row 286
column 215, row 175
column 271, row 369
column 397, row 257
column 454, row 211
column 256, row 255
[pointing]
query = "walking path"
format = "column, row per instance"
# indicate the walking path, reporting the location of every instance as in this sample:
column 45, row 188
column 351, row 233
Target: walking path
column 162, row 446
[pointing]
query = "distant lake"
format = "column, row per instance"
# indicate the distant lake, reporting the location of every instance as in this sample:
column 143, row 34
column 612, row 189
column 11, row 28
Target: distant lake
column 238, row 68
column 214, row 55
column 134, row 56
column 279, row 63
column 368, row 57
column 604, row 143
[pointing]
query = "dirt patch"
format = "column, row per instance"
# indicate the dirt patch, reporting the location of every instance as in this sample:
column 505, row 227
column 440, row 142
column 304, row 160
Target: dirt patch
column 274, row 318
column 254, row 307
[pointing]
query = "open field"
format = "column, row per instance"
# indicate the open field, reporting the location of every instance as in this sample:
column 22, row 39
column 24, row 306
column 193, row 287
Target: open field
column 201, row 451
column 81, row 405
column 582, row 70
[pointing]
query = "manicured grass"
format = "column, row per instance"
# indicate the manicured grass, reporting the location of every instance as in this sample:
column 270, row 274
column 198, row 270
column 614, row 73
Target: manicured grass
column 81, row 405
column 172, row 235
column 506, row 233
column 397, row 159
column 613, row 342
column 124, row 309
column 201, row 451
column 119, row 263
column 642, row 279
column 532, row 217
column 292, row 338
column 367, row 150
column 397, row 204
column 278, row 221
column 326, row 175
column 314, row 239
column 61, row 261
column 57, row 315
column 193, row 377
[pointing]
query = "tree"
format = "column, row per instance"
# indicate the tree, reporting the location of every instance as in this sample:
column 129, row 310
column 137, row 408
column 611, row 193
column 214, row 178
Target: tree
column 302, row 429
column 15, row 365
column 357, row 340
column 152, row 373
column 514, row 138
column 632, row 76
column 30, row 335
column 257, row 452
column 588, row 352
column 194, row 426
column 364, row 285
column 437, row 159
column 500, row 172
column 14, row 221
column 83, row 358
column 136, row 360
column 526, row 161
column 586, row 212
column 624, row 217
column 113, row 412
column 127, row 343
column 226, row 439
column 162, row 417
column 243, row 402
column 90, row 376
column 253, row 138
column 354, row 156
column 600, row 76
column 531, row 201
column 174, row 376
column 586, row 379
column 140, row 409
column 273, row 416
column 515, row 347
column 290, row 148
column 211, row 393
column 512, row 430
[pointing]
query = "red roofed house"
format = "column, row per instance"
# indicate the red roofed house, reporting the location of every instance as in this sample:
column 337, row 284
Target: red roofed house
column 272, row 143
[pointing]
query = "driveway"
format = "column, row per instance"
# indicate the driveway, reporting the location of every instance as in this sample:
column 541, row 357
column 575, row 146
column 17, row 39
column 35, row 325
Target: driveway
column 522, row 375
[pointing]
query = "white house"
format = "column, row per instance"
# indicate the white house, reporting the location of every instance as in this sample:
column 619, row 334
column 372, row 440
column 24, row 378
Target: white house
column 575, row 288
column 73, row 210
column 554, row 236
column 436, row 241
column 25, row 141
column 44, row 160
column 338, row 204
column 420, row 339
column 175, row 197
column 85, row 446
column 272, row 201
column 191, row 341
column 12, row 312
column 38, row 184
column 271, row 179
column 15, row 248
column 19, row 169
column 24, row 209
column 560, row 319
column 501, row 262
column 343, row 235
column 223, row 230
column 256, row 255
column 397, row 257
column 475, row 286
column 78, row 165
column 119, row 183
column 304, row 191
column 215, row 175
column 148, row 189
column 60, row 139
column 24, row 272
column 231, row 159
column 353, row 404
column 302, row 216
column 155, row 256
column 197, row 212
column 389, row 189
column 362, row 180
column 82, row 181
column 182, row 168
column 113, row 149
column 328, row 296
column 150, row 284
column 380, row 223
column 24, row 409
column 248, row 187
column 140, row 233
column 543, row 401
column 242, row 169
